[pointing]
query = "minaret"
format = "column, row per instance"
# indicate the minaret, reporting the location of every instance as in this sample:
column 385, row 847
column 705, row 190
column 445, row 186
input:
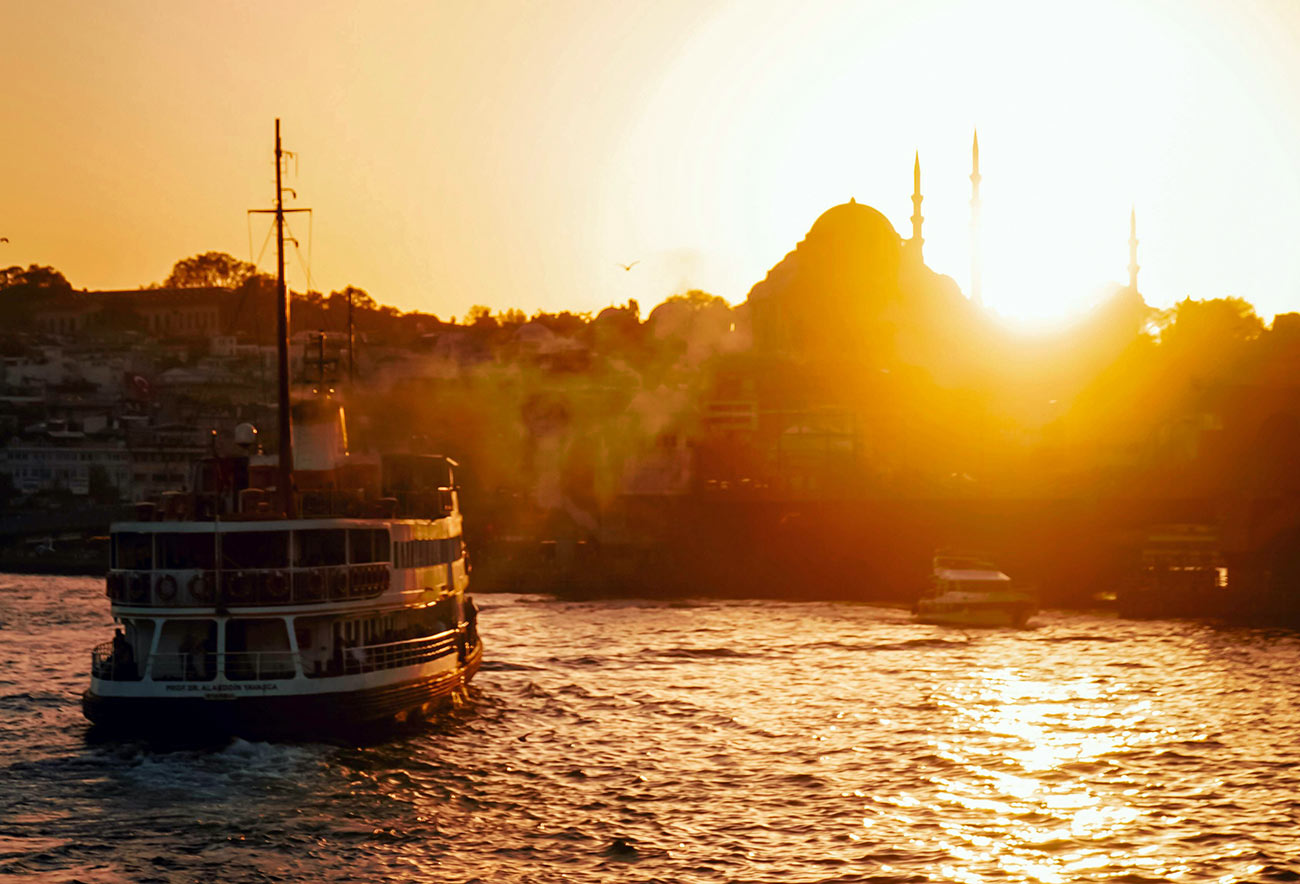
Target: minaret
column 976, row 294
column 1133, row 249
column 917, row 240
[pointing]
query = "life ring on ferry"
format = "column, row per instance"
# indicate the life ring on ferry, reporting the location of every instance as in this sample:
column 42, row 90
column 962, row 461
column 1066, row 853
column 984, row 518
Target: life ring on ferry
column 361, row 582
column 276, row 587
column 360, row 585
column 314, row 588
column 200, row 588
column 137, row 589
column 338, row 581
column 240, row 588
column 166, row 587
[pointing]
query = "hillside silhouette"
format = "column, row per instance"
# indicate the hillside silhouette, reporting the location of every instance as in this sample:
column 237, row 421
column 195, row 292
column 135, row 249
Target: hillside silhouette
column 857, row 408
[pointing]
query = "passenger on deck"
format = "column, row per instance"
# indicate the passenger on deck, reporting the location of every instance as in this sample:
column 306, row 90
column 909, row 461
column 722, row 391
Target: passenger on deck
column 188, row 650
column 356, row 657
column 208, row 660
column 123, row 658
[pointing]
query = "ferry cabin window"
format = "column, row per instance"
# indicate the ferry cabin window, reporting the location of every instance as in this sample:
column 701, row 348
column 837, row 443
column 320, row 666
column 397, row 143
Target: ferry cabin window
column 423, row 553
column 446, row 613
column 367, row 545
column 129, row 660
column 139, row 632
column 255, row 549
column 187, row 651
column 133, row 552
column 187, row 551
column 319, row 547
column 316, row 645
column 257, row 649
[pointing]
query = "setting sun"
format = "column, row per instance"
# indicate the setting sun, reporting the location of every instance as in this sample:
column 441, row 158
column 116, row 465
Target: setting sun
column 1082, row 115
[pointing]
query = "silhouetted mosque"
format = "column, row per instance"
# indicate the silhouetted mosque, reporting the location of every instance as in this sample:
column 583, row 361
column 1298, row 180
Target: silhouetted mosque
column 853, row 288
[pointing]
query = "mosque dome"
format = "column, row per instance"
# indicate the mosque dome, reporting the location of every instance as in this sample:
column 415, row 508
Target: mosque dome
column 853, row 219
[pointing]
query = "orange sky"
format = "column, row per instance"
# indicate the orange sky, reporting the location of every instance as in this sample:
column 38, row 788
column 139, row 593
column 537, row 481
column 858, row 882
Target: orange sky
column 510, row 153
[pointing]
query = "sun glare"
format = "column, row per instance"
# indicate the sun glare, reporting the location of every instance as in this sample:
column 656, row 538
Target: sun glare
column 1069, row 142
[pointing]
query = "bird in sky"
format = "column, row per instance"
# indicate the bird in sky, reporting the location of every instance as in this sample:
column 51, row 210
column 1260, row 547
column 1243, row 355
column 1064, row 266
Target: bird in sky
column 624, row 266
column 4, row 239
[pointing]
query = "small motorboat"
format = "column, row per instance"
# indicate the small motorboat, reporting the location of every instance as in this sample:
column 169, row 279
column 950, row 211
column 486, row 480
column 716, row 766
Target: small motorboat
column 968, row 590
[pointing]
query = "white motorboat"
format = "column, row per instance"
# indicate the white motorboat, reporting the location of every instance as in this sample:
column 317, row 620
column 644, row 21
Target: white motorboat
column 968, row 590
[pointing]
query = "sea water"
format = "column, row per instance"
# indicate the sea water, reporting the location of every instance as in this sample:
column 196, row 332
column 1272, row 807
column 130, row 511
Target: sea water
column 696, row 740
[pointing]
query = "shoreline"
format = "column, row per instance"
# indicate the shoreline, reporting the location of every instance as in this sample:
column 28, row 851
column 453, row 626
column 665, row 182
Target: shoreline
column 27, row 568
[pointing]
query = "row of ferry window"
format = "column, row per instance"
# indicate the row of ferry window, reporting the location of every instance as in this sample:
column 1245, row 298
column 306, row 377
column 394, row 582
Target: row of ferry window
column 259, row 648
column 422, row 553
column 308, row 548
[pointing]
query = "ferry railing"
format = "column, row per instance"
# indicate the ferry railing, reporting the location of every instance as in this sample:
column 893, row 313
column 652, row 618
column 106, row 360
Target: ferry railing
column 259, row 665
column 424, row 503
column 238, row 666
column 428, row 503
column 248, row 586
column 107, row 665
column 202, row 666
column 196, row 666
column 388, row 655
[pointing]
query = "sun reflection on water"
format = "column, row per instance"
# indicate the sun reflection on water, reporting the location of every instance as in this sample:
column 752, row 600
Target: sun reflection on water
column 1014, row 744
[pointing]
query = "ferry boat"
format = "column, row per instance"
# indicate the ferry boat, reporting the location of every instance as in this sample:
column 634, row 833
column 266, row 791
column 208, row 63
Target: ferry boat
column 968, row 590
column 1183, row 573
column 300, row 594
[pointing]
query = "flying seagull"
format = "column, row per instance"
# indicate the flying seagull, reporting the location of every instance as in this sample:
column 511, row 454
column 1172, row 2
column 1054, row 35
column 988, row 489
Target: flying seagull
column 624, row 266
column 4, row 239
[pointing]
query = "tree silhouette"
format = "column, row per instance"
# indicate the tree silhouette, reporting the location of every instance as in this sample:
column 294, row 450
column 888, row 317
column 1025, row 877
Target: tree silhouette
column 209, row 270
column 34, row 277
column 23, row 290
column 1206, row 324
column 696, row 299
column 360, row 299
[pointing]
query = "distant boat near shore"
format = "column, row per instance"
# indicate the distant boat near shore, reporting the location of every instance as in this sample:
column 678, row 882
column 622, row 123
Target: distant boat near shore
column 968, row 590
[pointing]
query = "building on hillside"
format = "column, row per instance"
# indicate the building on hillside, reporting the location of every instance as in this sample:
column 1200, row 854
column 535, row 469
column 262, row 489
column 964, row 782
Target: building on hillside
column 161, row 313
column 53, row 457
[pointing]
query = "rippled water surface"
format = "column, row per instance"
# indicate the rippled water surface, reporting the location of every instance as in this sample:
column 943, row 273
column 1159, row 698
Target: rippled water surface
column 696, row 741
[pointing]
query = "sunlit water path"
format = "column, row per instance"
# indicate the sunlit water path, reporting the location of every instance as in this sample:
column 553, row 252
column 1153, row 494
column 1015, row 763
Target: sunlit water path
column 697, row 741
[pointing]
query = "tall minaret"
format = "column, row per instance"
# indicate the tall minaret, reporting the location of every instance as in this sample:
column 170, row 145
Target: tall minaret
column 976, row 294
column 1133, row 249
column 917, row 240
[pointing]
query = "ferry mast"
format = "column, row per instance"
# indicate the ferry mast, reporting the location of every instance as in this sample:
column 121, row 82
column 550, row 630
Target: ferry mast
column 284, row 481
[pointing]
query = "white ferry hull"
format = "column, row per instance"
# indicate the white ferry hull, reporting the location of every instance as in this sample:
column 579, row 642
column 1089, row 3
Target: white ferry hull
column 315, row 715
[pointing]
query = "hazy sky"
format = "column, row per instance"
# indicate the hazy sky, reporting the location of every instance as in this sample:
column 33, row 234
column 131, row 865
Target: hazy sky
column 512, row 153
